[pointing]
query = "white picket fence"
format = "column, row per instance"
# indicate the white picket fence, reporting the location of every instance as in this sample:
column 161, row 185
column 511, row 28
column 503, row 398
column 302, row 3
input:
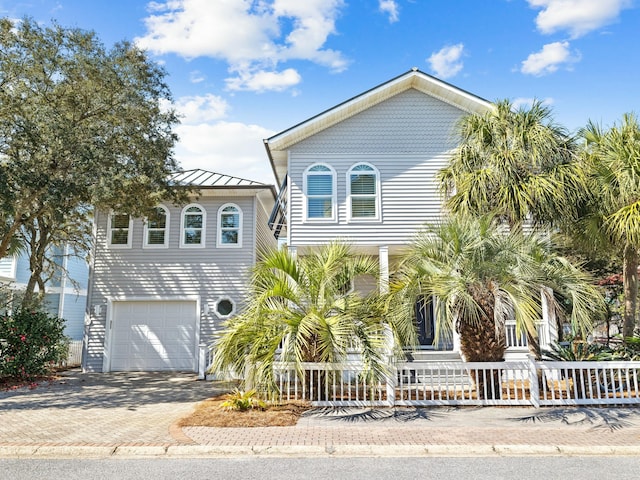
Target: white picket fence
column 510, row 383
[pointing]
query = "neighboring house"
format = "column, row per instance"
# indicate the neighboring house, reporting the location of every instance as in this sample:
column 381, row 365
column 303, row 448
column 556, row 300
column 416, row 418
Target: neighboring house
column 66, row 293
column 364, row 171
column 160, row 287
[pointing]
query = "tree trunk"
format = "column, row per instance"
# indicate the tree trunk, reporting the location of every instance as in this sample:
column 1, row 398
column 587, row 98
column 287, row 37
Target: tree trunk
column 630, row 281
column 479, row 342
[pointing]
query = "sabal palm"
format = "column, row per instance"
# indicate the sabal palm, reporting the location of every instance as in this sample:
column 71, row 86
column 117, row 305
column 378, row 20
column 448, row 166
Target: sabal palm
column 517, row 164
column 612, row 157
column 300, row 310
column 481, row 275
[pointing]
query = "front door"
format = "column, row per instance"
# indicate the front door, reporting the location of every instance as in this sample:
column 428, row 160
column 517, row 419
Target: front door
column 425, row 322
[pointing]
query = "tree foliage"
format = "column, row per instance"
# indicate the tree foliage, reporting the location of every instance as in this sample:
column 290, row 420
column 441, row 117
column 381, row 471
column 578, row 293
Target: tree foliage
column 482, row 275
column 611, row 216
column 300, row 309
column 81, row 126
column 517, row 164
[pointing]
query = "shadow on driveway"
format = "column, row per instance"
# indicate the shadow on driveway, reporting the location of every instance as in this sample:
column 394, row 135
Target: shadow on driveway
column 123, row 389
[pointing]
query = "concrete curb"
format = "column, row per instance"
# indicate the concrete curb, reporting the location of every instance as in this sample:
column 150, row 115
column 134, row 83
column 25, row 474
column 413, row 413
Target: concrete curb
column 204, row 451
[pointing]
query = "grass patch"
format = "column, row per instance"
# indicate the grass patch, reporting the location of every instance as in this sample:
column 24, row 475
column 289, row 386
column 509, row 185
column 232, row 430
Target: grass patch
column 210, row 413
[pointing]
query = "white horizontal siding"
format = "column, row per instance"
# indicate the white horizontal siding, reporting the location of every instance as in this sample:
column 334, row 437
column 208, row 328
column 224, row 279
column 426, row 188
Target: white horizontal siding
column 409, row 198
column 408, row 138
column 164, row 273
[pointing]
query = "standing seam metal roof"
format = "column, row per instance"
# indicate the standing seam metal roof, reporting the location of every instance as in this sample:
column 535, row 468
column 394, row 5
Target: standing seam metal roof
column 204, row 178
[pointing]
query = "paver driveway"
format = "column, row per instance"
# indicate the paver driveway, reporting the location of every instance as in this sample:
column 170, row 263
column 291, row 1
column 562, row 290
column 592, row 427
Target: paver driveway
column 102, row 409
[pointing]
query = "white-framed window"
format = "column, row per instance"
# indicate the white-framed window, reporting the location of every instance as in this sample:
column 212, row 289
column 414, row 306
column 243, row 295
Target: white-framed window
column 156, row 228
column 363, row 192
column 319, row 184
column 192, row 226
column 119, row 230
column 224, row 307
column 229, row 225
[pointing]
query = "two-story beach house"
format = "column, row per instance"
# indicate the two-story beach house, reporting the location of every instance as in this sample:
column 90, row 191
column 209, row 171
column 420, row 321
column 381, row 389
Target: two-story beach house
column 364, row 172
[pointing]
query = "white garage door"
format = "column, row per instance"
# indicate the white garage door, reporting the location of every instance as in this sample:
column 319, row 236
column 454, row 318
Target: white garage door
column 154, row 335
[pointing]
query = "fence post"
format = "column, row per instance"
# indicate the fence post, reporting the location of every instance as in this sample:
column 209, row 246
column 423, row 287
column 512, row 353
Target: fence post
column 534, row 391
column 202, row 362
column 391, row 385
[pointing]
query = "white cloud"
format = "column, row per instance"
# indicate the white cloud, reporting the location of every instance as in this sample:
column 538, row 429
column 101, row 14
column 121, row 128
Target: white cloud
column 390, row 7
column 251, row 36
column 578, row 17
column 196, row 76
column 261, row 81
column 528, row 102
column 549, row 59
column 208, row 141
column 197, row 109
column 446, row 62
column 230, row 148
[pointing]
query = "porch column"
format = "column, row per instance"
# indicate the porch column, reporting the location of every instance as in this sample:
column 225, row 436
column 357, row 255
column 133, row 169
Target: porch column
column 549, row 330
column 383, row 256
column 293, row 251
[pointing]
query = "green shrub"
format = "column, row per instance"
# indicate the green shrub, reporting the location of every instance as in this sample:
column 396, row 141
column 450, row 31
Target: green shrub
column 576, row 352
column 32, row 342
column 242, row 400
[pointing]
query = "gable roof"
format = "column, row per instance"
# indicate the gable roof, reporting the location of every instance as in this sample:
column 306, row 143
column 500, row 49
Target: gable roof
column 278, row 144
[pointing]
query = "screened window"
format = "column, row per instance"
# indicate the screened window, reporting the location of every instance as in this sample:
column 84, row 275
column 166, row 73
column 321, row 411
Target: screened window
column 229, row 226
column 119, row 230
column 320, row 192
column 363, row 192
column 156, row 228
column 193, row 222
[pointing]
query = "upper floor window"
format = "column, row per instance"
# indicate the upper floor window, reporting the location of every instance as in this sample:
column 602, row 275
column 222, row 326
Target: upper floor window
column 229, row 226
column 192, row 226
column 363, row 192
column 156, row 228
column 119, row 227
column 320, row 191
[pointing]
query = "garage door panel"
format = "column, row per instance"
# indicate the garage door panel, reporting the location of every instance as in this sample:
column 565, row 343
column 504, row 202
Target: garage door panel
column 154, row 335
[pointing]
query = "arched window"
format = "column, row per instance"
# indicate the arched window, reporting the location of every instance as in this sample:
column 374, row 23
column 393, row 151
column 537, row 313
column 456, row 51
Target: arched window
column 363, row 192
column 119, row 226
column 229, row 226
column 320, row 192
column 156, row 228
column 192, row 228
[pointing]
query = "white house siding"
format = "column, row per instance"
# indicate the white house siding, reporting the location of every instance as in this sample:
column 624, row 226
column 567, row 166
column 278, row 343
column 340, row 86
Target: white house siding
column 408, row 138
column 264, row 236
column 7, row 269
column 209, row 273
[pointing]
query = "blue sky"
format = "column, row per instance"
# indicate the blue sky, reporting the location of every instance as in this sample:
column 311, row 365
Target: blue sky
column 242, row 70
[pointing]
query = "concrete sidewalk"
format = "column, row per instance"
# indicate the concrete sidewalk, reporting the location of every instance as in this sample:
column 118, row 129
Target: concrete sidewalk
column 101, row 415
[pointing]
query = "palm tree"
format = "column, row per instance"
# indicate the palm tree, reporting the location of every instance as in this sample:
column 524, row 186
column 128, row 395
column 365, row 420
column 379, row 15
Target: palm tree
column 612, row 157
column 301, row 309
column 482, row 275
column 516, row 164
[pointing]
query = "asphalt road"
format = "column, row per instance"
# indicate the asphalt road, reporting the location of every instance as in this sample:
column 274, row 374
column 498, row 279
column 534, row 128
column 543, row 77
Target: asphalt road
column 511, row 468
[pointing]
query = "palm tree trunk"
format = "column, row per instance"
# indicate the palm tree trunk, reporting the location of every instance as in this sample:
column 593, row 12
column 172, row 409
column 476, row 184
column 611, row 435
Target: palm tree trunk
column 630, row 281
column 479, row 342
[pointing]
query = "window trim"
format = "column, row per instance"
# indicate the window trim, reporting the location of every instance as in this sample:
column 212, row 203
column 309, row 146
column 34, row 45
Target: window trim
column 145, row 242
column 203, row 230
column 217, row 302
column 110, row 229
column 334, row 194
column 219, row 243
column 377, row 217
